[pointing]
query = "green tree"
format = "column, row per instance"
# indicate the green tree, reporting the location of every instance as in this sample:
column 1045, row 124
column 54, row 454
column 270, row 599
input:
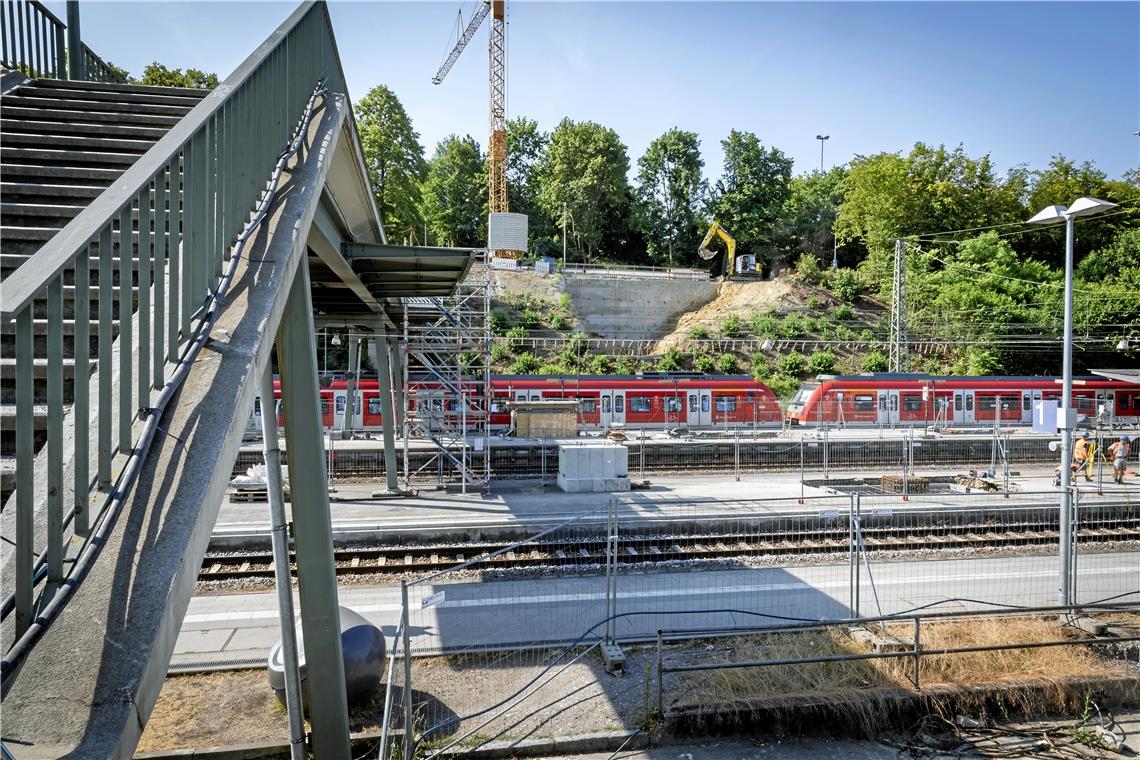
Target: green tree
column 585, row 167
column 669, row 194
column 160, row 76
column 454, row 195
column 875, row 361
column 821, row 362
column 929, row 190
column 809, row 213
column 749, row 197
column 794, row 364
column 394, row 160
column 526, row 145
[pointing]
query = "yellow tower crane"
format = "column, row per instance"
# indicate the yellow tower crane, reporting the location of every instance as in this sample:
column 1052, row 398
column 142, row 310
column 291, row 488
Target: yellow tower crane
column 497, row 58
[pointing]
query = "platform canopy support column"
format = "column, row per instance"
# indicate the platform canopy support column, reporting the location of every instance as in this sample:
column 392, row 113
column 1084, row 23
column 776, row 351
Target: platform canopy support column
column 350, row 392
column 316, row 569
column 388, row 404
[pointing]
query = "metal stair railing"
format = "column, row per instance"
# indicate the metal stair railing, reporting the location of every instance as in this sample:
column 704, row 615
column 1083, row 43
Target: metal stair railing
column 221, row 157
column 32, row 40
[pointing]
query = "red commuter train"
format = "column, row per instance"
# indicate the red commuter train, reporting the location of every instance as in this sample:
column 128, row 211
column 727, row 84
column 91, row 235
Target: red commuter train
column 710, row 401
column 911, row 399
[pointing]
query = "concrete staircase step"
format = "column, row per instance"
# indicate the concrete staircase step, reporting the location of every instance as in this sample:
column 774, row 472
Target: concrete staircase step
column 71, row 84
column 7, row 477
column 130, row 100
column 85, row 175
column 81, row 143
column 66, row 112
column 31, row 192
column 93, row 105
column 47, row 124
column 65, row 157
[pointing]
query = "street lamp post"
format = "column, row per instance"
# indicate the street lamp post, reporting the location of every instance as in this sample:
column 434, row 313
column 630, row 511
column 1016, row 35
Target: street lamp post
column 821, row 138
column 1066, row 415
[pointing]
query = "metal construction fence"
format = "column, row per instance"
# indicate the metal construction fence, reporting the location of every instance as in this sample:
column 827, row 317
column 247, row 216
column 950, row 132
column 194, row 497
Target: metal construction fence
column 486, row 645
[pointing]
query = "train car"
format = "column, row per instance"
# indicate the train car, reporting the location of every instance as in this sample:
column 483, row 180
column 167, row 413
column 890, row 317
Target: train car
column 644, row 401
column 920, row 400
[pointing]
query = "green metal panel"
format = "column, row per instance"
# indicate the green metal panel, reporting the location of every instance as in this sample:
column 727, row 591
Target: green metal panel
column 316, row 570
column 25, row 474
column 106, row 370
column 81, row 407
column 126, row 278
column 146, row 253
column 177, row 284
column 388, row 399
column 161, row 244
column 55, row 433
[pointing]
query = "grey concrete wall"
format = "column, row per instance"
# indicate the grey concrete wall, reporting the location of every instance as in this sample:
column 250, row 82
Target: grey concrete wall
column 636, row 308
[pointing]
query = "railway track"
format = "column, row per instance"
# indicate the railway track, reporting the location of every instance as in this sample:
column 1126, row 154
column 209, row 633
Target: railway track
column 591, row 550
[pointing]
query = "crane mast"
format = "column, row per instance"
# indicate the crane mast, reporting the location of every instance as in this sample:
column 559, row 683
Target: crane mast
column 497, row 60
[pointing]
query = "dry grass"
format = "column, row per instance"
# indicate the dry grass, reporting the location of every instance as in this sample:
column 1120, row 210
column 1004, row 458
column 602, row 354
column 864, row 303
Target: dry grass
column 865, row 692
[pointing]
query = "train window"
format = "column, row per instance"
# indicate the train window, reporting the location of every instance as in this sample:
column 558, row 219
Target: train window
column 674, row 404
column 957, row 402
column 340, row 404
column 639, row 404
column 587, row 405
column 1084, row 402
column 1025, row 401
column 882, row 403
column 374, row 406
column 257, row 407
column 969, row 403
column 605, row 404
column 1124, row 399
column 864, row 403
column 324, row 406
column 692, row 402
column 912, row 403
column 619, row 404
column 536, row 397
column 987, row 403
column 704, row 403
column 726, row 403
column 894, row 403
column 520, row 396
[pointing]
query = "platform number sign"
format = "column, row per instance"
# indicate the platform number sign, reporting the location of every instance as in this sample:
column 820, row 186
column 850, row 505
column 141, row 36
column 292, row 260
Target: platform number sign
column 1045, row 416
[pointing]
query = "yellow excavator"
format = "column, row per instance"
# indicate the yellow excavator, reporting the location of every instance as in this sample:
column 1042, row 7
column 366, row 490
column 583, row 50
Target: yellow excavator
column 729, row 252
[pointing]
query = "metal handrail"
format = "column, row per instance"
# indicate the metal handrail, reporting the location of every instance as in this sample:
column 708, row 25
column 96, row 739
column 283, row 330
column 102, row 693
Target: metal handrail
column 96, row 69
column 31, row 39
column 218, row 159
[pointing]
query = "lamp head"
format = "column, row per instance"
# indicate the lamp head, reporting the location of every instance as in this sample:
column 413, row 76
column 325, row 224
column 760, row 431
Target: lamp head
column 1048, row 215
column 1089, row 206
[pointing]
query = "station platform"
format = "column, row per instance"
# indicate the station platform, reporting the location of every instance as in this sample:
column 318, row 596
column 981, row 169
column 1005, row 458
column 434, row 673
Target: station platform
column 522, row 507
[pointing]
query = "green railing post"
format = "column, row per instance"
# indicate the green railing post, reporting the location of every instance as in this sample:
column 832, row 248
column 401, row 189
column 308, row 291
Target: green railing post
column 80, row 412
column 75, row 57
column 25, row 474
column 126, row 337
column 161, row 248
column 146, row 245
column 106, row 357
column 55, row 434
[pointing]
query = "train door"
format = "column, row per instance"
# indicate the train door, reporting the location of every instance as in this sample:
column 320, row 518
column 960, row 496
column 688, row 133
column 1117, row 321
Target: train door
column 888, row 407
column 613, row 408
column 340, row 409
column 699, row 404
column 967, row 406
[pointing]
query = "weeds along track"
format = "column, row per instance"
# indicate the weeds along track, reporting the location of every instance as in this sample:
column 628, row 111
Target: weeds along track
column 1023, row 532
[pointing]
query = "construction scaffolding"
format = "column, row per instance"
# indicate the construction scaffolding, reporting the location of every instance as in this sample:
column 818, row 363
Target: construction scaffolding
column 447, row 383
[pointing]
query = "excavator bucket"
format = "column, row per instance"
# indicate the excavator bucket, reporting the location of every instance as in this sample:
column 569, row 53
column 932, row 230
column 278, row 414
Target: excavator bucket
column 706, row 254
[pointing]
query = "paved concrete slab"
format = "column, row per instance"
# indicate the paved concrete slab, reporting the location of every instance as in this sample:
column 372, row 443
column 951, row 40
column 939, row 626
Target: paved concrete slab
column 557, row 609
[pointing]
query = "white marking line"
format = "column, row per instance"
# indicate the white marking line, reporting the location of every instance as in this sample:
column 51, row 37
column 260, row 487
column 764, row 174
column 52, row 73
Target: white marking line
column 210, row 617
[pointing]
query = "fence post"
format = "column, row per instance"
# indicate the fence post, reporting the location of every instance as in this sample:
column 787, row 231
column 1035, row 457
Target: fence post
column 409, row 731
column 917, row 652
column 660, row 678
column 736, row 453
column 856, row 528
column 826, row 440
column 1076, row 530
column 801, row 469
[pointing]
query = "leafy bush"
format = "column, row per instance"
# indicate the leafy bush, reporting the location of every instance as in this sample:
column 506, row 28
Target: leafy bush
column 866, row 335
column 844, row 313
column 671, row 360
column 821, row 362
column 498, row 321
column 783, row 386
column 813, row 301
column 530, row 319
column 791, row 326
column 564, row 302
column 760, row 366
column 727, row 364
column 469, row 360
column 704, row 363
column 500, row 352
column 763, row 325
column 875, row 361
column 552, row 369
column 576, row 351
column 601, row 365
column 699, row 332
column 559, row 321
column 845, row 284
column 624, row 365
column 515, row 337
column 526, row 364
column 808, row 270
column 731, row 326
column 842, row 332
column 792, row 364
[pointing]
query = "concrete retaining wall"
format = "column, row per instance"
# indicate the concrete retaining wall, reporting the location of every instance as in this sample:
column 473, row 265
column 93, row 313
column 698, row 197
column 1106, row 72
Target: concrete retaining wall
column 635, row 308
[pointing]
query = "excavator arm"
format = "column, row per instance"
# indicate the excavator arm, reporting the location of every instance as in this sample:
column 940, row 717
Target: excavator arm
column 730, row 247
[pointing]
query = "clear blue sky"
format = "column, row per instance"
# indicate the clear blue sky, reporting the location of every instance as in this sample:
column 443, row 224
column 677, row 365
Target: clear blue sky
column 1019, row 80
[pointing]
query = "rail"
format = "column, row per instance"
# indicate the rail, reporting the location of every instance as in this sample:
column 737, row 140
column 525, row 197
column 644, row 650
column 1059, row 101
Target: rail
column 32, row 40
column 623, row 270
column 169, row 260
column 95, row 69
column 915, row 651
